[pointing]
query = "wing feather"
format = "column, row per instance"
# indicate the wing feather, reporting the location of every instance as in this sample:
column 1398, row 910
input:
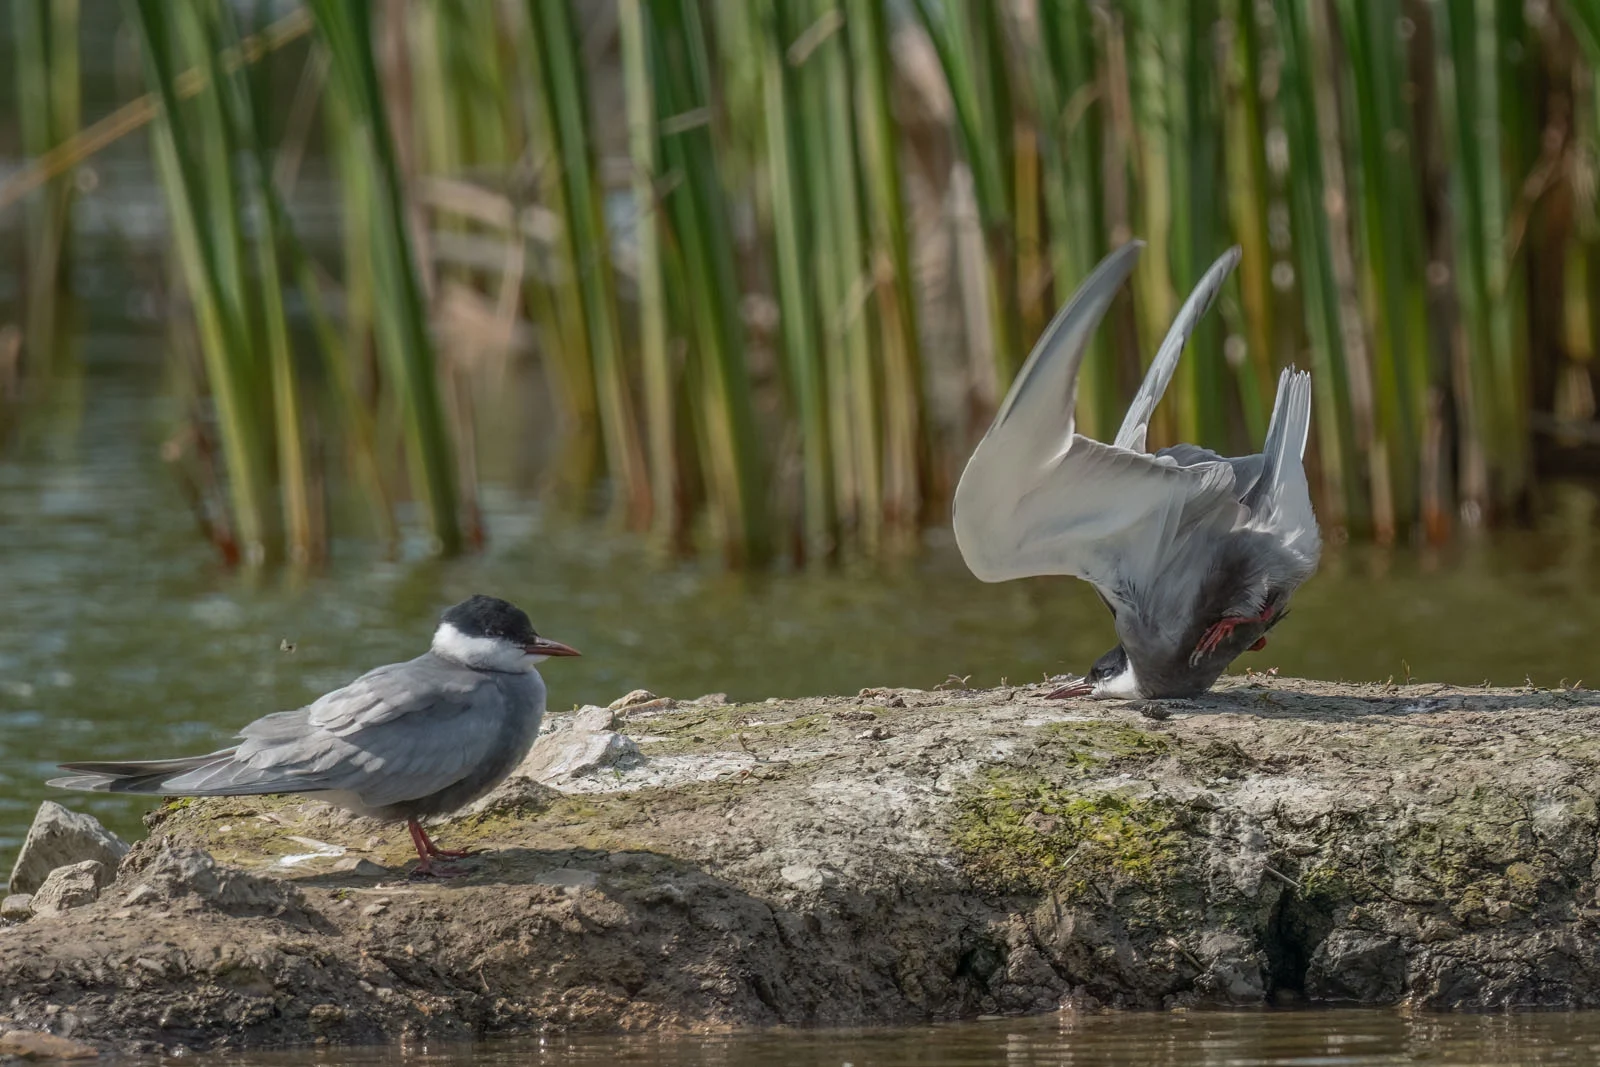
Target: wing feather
column 1037, row 498
column 376, row 738
column 1137, row 422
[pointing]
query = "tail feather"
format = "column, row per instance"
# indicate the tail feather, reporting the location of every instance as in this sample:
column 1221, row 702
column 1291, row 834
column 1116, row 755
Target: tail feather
column 1286, row 438
column 216, row 774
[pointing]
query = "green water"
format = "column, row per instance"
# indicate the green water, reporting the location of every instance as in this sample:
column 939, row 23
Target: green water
column 1185, row 1039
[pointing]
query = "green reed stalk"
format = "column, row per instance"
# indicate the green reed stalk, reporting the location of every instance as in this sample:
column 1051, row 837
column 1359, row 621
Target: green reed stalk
column 1389, row 213
column 660, row 383
column 196, row 200
column 1467, row 93
column 708, row 287
column 905, row 446
column 793, row 243
column 399, row 315
column 1341, row 495
column 966, row 34
column 1249, row 189
column 45, row 34
column 558, row 306
column 829, row 275
column 566, row 96
column 1194, row 159
column 1508, row 42
column 845, row 279
column 1070, row 101
column 246, row 114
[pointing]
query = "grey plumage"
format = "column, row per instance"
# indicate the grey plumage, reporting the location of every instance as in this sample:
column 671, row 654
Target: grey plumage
column 1195, row 553
column 402, row 741
column 416, row 738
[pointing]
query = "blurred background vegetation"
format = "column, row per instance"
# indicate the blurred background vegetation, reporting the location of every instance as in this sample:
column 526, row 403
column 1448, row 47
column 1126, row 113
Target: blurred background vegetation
column 752, row 276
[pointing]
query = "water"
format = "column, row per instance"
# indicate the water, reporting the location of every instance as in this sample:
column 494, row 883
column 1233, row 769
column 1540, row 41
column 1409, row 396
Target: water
column 1184, row 1039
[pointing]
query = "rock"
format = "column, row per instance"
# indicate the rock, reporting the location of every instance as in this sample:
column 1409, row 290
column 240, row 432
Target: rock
column 711, row 700
column 17, row 908
column 517, row 795
column 360, row 867
column 188, row 873
column 592, row 719
column 38, row 1045
column 69, row 887
column 59, row 837
column 324, row 1015
column 582, row 745
column 638, row 696
column 1000, row 855
column 1355, row 966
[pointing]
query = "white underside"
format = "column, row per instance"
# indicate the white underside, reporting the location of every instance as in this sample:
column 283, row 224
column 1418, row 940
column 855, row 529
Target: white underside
column 484, row 653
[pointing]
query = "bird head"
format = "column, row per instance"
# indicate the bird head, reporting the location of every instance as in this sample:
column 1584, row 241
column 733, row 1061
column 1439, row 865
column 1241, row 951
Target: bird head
column 1111, row 678
column 490, row 634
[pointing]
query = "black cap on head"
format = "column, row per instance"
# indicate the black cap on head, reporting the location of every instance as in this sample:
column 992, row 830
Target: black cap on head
column 488, row 616
column 1109, row 665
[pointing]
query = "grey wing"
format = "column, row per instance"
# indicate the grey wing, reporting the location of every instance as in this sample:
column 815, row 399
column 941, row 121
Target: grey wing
column 1137, row 422
column 1037, row 498
column 1246, row 469
column 1102, row 513
column 404, row 734
column 1036, row 416
column 1280, row 500
column 396, row 733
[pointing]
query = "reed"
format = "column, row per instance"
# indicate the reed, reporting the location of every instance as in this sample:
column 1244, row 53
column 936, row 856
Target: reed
column 399, row 314
column 49, row 105
column 1412, row 184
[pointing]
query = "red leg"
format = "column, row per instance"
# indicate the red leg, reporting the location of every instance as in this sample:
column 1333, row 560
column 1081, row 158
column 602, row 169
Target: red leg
column 1219, row 631
column 426, row 847
column 426, row 851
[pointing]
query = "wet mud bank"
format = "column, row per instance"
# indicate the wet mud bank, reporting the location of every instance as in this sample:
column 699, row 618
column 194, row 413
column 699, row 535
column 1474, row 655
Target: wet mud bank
column 901, row 855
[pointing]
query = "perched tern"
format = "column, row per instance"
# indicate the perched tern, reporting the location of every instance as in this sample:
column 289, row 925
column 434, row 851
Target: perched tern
column 404, row 741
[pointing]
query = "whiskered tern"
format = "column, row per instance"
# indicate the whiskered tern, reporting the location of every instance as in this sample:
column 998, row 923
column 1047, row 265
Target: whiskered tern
column 412, row 739
column 1196, row 554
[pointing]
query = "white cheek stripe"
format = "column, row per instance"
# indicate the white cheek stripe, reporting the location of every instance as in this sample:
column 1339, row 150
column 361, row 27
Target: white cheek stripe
column 479, row 651
column 1125, row 684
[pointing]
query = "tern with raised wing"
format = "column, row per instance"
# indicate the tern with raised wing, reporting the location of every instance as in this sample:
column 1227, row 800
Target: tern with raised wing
column 1196, row 554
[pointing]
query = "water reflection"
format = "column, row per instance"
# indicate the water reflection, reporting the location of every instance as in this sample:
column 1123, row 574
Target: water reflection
column 1186, row 1039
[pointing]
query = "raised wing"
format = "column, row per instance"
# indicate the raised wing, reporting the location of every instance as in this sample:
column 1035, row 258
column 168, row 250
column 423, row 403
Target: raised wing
column 1137, row 421
column 1036, row 498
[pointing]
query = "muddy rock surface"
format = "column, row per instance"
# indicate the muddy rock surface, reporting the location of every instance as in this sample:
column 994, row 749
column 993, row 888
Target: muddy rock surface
column 897, row 856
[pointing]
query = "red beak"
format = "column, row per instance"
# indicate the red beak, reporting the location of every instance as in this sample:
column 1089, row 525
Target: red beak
column 1080, row 688
column 543, row 646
